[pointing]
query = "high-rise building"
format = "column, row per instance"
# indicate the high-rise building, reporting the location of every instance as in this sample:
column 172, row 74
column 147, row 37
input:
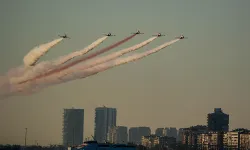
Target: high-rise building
column 136, row 133
column 218, row 121
column 159, row 132
column 105, row 118
column 118, row 135
column 73, row 121
column 171, row 132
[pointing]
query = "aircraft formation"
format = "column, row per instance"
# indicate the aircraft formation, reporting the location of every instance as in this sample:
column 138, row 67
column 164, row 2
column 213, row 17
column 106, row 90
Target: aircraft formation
column 34, row 75
column 138, row 32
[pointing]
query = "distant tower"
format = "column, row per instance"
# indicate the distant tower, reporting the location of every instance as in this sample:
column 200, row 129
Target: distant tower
column 73, row 122
column 180, row 133
column 218, row 121
column 159, row 132
column 105, row 118
column 136, row 133
column 171, row 132
column 133, row 135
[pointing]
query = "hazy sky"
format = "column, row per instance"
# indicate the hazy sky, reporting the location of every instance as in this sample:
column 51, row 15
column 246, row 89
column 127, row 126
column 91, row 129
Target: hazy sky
column 175, row 87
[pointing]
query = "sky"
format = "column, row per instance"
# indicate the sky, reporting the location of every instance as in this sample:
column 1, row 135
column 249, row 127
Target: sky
column 176, row 87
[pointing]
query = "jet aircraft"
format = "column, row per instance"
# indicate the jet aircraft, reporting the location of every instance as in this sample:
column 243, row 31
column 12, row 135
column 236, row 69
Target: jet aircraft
column 64, row 36
column 138, row 32
column 109, row 34
column 159, row 34
column 181, row 37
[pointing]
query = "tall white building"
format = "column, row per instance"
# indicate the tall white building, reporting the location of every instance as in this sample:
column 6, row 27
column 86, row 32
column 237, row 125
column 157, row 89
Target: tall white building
column 105, row 118
column 118, row 135
column 73, row 122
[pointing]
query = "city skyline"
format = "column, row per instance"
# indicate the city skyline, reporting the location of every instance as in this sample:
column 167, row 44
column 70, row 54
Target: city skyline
column 77, row 114
column 187, row 80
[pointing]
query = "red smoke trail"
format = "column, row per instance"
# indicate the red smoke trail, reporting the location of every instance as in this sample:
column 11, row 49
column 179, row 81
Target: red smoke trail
column 80, row 60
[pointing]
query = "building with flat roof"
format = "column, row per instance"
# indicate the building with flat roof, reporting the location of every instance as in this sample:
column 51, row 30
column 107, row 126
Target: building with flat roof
column 218, row 121
column 118, row 135
column 136, row 133
column 171, row 132
column 180, row 133
column 73, row 126
column 162, row 141
column 160, row 132
column 105, row 118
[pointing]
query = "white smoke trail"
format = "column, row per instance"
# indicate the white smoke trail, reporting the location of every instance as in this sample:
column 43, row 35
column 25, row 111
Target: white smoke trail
column 114, row 55
column 30, row 72
column 119, row 61
column 33, row 56
column 66, row 58
column 26, row 73
column 73, row 73
column 79, row 72
column 16, row 72
column 4, row 86
column 86, row 65
column 54, row 70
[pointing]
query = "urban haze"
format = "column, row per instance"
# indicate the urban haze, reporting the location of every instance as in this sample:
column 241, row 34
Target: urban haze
column 176, row 87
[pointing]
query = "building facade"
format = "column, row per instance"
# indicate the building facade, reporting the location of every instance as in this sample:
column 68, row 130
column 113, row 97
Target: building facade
column 136, row 133
column 105, row 118
column 245, row 141
column 210, row 140
column 160, row 132
column 171, row 132
column 73, row 126
column 180, row 133
column 218, row 121
column 190, row 135
column 150, row 141
column 154, row 140
column 220, row 140
column 165, row 141
column 118, row 135
column 133, row 135
column 231, row 140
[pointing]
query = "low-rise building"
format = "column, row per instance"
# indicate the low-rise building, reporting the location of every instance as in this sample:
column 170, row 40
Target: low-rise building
column 216, row 140
column 231, row 140
column 150, row 141
column 136, row 133
column 190, row 135
column 118, row 135
column 162, row 141
column 237, row 139
column 165, row 141
column 210, row 140
column 245, row 141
